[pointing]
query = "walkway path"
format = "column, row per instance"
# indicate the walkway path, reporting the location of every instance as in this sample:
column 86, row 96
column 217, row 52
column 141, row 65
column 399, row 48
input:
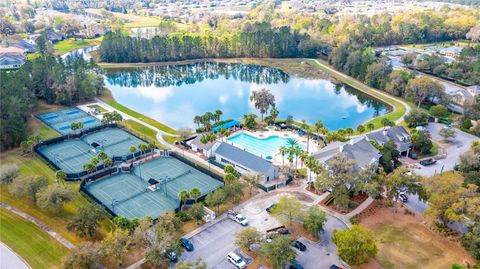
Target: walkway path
column 9, row 259
column 344, row 76
column 159, row 135
column 40, row 224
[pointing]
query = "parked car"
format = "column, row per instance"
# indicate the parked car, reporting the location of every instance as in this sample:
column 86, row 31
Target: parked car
column 299, row 245
column 428, row 162
column 270, row 208
column 239, row 218
column 186, row 244
column 333, row 266
column 171, row 256
column 295, row 265
column 403, row 197
column 236, row 260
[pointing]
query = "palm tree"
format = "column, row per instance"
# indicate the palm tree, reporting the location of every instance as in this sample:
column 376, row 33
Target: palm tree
column 291, row 142
column 361, row 128
column 132, row 150
column 274, row 113
column 208, row 138
column 60, row 175
column 95, row 161
column 229, row 178
column 197, row 120
column 303, row 156
column 283, row 151
column 89, row 167
column 183, row 196
column 371, row 126
column 107, row 162
column 222, row 132
column 319, row 126
column 306, row 129
column 262, row 100
column 142, row 148
column 227, row 134
column 311, row 163
column 249, row 120
column 102, row 156
column 195, row 193
column 385, row 122
column 297, row 151
column 218, row 114
column 349, row 131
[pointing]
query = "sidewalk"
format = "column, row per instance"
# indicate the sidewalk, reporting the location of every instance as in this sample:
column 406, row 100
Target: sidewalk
column 40, row 224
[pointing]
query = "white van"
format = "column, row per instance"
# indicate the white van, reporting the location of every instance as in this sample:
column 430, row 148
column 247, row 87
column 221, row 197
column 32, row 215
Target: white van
column 236, row 260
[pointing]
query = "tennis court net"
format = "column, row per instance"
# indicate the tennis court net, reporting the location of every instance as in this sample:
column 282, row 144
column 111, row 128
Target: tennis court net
column 130, row 197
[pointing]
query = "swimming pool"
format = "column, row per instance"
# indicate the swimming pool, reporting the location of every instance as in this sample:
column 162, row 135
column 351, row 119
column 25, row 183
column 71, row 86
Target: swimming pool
column 262, row 147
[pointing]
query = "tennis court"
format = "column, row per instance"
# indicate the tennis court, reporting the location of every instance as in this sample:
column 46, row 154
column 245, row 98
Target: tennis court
column 60, row 120
column 127, row 194
column 71, row 155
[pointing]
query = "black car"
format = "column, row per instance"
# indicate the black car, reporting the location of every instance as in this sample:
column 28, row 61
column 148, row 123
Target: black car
column 403, row 197
column 186, row 244
column 295, row 265
column 270, row 208
column 428, row 162
column 299, row 245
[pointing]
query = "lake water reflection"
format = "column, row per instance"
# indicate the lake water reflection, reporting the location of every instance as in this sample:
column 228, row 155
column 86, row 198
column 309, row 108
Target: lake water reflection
column 175, row 94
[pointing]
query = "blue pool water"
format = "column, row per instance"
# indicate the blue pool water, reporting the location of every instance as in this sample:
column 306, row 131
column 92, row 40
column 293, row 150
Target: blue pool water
column 262, row 147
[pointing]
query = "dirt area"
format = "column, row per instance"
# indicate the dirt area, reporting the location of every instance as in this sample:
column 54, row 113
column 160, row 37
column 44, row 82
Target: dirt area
column 404, row 241
column 314, row 191
column 355, row 201
column 298, row 231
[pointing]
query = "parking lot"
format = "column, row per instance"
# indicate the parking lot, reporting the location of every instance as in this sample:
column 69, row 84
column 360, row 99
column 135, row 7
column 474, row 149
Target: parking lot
column 454, row 148
column 214, row 243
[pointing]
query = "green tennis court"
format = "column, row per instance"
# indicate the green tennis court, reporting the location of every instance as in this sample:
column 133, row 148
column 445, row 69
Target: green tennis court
column 127, row 194
column 61, row 120
column 71, row 155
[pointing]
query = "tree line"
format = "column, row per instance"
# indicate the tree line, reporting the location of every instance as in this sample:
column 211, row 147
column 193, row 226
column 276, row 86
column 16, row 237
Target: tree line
column 254, row 40
column 46, row 78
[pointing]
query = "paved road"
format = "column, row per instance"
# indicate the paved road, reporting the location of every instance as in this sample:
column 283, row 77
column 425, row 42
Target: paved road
column 10, row 260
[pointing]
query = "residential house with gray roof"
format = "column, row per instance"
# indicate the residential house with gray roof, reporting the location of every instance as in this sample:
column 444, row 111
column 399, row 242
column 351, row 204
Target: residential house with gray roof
column 358, row 149
column 244, row 161
column 197, row 145
column 398, row 134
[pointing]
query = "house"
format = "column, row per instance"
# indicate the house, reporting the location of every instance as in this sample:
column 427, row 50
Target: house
column 398, row 134
column 11, row 58
column 24, row 44
column 196, row 145
column 243, row 161
column 358, row 149
column 453, row 51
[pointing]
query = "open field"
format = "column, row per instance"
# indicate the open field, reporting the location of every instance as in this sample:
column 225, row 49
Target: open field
column 405, row 242
column 141, row 130
column 70, row 44
column 108, row 98
column 34, row 166
column 38, row 248
column 133, row 21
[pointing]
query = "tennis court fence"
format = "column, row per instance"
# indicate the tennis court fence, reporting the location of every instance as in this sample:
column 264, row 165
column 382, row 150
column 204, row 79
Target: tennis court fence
column 77, row 176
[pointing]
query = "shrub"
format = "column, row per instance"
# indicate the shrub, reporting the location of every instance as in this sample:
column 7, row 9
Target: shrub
column 355, row 219
column 182, row 216
column 8, row 172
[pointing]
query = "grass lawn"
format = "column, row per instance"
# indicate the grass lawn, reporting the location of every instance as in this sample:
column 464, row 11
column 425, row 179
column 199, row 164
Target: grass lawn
column 141, row 130
column 398, row 109
column 170, row 139
column 108, row 98
column 38, row 127
column 34, row 166
column 404, row 241
column 101, row 109
column 38, row 248
column 70, row 44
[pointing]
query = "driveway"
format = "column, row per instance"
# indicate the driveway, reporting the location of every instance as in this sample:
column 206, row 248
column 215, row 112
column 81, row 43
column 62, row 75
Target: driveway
column 454, row 148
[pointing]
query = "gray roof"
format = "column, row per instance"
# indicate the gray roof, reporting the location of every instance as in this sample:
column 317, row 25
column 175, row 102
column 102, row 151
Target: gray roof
column 11, row 59
column 244, row 158
column 196, row 141
column 359, row 150
column 398, row 134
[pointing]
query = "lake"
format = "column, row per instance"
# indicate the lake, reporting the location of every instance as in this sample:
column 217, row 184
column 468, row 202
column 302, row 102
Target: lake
column 174, row 95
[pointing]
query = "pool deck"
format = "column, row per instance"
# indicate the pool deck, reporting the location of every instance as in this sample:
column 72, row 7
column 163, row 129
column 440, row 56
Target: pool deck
column 277, row 159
